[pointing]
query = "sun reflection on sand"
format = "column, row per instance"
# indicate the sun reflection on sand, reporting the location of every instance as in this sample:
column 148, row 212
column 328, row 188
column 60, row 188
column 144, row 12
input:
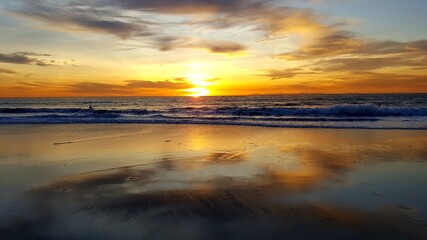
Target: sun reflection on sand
column 226, row 180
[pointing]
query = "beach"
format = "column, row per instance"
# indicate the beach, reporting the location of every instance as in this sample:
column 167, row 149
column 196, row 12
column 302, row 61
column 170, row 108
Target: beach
column 213, row 120
column 157, row 181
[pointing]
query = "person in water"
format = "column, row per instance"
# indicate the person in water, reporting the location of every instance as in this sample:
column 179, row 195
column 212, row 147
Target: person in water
column 90, row 107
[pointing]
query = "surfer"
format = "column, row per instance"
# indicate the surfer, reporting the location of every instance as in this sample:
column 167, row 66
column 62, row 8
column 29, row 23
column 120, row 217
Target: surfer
column 90, row 108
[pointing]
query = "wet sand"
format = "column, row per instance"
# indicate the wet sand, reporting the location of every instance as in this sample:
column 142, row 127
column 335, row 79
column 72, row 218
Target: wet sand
column 211, row 182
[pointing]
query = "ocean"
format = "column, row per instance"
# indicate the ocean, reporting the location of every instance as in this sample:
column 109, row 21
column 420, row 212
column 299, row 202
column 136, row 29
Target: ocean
column 362, row 111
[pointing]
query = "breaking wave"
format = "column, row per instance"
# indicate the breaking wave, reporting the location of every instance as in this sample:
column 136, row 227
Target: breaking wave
column 336, row 116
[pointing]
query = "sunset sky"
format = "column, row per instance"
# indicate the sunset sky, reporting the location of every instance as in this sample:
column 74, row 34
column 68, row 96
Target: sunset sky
column 211, row 47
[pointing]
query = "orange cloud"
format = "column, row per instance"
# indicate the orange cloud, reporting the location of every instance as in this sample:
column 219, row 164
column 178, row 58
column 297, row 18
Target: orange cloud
column 128, row 88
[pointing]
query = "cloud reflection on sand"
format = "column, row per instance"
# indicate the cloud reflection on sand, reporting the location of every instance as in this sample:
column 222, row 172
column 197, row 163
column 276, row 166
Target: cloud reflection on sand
column 226, row 194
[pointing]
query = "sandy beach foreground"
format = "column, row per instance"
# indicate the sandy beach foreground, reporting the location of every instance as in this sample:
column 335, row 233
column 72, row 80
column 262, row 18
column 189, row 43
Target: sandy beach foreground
column 125, row 181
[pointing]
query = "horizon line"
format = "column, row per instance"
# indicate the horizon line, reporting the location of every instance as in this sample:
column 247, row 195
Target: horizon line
column 247, row 95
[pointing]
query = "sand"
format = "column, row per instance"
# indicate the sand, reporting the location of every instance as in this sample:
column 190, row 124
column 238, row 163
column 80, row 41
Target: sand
column 112, row 181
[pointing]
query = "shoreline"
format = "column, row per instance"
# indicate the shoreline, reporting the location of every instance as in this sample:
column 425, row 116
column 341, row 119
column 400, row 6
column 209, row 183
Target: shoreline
column 213, row 124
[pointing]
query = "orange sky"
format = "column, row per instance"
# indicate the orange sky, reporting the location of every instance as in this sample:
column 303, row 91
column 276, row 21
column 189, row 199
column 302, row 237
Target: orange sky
column 211, row 47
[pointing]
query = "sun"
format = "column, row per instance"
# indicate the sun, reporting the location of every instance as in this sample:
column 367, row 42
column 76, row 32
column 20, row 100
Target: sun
column 198, row 92
column 200, row 83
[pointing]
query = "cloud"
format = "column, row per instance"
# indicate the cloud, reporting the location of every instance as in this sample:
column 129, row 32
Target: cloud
column 352, row 64
column 344, row 52
column 391, row 47
column 331, row 44
column 324, row 44
column 128, row 19
column 364, row 82
column 80, row 17
column 212, row 46
column 130, row 87
column 382, row 82
column 161, row 84
column 125, row 19
column 341, row 43
column 420, row 45
column 262, row 15
column 356, row 81
column 98, row 88
column 268, row 19
column 24, row 58
column 121, row 29
column 220, row 46
column 182, row 7
column 289, row 73
column 175, row 87
column 7, row 71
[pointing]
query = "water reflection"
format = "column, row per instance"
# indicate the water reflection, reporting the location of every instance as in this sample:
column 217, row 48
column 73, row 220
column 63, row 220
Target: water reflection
column 230, row 194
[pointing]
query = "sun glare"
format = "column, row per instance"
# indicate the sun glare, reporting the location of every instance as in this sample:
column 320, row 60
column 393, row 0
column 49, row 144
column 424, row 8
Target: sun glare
column 198, row 79
column 198, row 92
column 200, row 82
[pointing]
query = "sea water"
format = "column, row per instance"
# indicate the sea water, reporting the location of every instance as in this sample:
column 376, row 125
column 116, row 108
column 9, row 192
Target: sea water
column 377, row 111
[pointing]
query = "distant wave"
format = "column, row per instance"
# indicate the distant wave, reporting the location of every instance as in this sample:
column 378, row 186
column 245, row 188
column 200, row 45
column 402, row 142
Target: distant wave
column 353, row 110
column 360, row 110
column 337, row 116
column 350, row 110
column 74, row 110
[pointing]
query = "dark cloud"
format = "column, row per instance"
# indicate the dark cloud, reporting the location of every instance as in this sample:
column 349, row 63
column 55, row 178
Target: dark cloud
column 220, row 46
column 81, row 17
column 112, row 17
column 183, row 7
column 15, row 58
column 34, row 54
column 169, row 43
column 24, row 58
column 121, row 29
column 214, row 46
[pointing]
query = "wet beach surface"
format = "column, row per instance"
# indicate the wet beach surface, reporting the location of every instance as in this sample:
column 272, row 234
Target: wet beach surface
column 211, row 182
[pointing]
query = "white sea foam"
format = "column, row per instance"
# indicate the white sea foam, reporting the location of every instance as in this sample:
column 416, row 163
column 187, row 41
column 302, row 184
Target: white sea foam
column 332, row 111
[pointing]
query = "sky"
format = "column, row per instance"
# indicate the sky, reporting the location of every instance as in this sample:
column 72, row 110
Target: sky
column 63, row 48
